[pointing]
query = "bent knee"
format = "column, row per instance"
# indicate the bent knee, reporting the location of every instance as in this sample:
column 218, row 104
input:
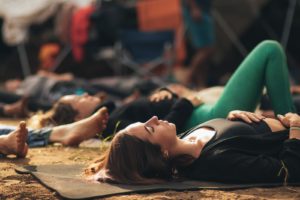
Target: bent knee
column 271, row 46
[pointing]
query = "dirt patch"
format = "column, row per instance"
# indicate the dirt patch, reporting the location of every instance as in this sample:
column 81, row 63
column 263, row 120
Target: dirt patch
column 16, row 186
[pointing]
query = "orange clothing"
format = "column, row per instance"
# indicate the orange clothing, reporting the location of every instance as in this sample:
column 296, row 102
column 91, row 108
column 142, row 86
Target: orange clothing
column 47, row 55
column 161, row 15
column 79, row 31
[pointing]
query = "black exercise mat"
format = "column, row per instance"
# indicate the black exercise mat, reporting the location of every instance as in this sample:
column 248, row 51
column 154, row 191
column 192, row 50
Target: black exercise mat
column 67, row 181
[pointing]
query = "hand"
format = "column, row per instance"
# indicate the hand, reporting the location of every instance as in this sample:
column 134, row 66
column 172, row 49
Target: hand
column 295, row 89
column 180, row 90
column 289, row 119
column 160, row 95
column 195, row 100
column 248, row 117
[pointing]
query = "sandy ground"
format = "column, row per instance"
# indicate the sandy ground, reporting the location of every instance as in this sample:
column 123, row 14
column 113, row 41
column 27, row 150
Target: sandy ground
column 16, row 186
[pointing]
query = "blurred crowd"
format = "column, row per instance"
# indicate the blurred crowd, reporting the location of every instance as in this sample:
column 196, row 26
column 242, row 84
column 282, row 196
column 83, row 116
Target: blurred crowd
column 120, row 49
column 122, row 36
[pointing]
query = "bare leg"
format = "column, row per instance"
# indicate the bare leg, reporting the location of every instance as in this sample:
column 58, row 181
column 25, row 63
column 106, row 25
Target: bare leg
column 74, row 133
column 15, row 142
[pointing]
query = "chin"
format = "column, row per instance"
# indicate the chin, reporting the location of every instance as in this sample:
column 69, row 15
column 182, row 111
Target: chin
column 173, row 126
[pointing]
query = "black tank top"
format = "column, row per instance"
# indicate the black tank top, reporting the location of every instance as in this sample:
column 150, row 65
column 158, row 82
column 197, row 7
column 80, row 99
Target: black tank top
column 226, row 129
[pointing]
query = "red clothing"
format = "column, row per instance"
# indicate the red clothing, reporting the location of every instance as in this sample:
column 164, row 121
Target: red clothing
column 79, row 31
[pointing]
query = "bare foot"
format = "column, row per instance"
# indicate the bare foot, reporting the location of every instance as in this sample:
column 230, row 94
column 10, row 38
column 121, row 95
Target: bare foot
column 15, row 142
column 74, row 133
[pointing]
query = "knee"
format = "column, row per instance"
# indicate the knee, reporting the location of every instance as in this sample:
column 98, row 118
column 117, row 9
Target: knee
column 272, row 47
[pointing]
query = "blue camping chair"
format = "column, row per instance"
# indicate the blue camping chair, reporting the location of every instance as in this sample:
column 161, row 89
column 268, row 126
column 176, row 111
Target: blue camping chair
column 144, row 52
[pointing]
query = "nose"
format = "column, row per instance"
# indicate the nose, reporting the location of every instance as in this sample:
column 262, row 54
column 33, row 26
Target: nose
column 153, row 120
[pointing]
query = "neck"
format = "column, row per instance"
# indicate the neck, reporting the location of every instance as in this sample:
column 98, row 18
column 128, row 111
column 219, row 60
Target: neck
column 186, row 147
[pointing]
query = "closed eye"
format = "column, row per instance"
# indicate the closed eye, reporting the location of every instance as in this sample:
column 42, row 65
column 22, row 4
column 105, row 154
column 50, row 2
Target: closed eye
column 149, row 129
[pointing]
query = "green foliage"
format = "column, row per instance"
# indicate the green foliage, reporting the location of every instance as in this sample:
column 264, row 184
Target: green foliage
column 108, row 138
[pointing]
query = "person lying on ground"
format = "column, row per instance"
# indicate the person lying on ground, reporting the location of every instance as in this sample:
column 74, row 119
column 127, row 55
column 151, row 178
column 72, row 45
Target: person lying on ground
column 265, row 66
column 245, row 148
column 43, row 91
column 16, row 141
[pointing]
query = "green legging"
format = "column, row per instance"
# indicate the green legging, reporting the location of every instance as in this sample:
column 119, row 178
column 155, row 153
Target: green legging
column 266, row 67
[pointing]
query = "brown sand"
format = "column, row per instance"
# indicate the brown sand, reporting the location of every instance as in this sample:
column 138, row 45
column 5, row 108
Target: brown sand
column 16, row 186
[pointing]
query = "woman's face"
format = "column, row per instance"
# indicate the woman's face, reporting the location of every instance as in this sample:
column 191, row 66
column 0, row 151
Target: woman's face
column 84, row 104
column 155, row 131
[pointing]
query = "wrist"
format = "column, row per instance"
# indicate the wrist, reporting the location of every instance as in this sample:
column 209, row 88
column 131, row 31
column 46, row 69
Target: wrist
column 294, row 132
column 295, row 128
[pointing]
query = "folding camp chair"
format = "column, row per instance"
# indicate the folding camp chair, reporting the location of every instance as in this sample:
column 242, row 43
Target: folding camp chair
column 143, row 52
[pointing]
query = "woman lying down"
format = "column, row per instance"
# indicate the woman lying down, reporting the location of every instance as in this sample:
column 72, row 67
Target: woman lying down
column 244, row 148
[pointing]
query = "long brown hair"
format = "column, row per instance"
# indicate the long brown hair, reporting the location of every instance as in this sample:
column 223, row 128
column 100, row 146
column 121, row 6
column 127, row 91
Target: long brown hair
column 131, row 160
column 60, row 113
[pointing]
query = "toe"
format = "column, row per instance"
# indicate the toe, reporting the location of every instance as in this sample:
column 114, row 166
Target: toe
column 22, row 125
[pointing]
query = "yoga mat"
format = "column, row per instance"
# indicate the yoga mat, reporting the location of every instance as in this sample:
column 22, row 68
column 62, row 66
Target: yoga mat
column 67, row 181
